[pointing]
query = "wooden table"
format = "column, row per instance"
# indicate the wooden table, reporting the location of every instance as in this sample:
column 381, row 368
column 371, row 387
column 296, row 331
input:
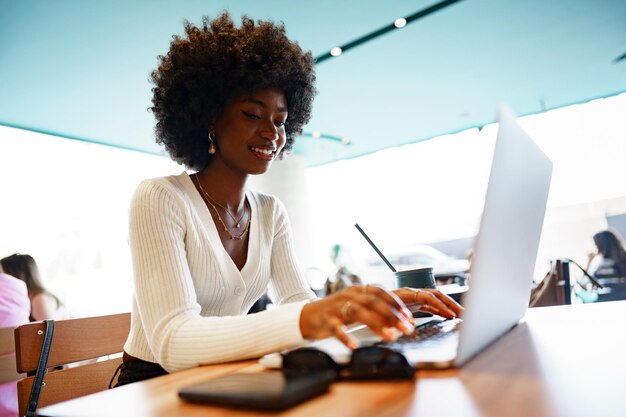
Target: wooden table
column 560, row 361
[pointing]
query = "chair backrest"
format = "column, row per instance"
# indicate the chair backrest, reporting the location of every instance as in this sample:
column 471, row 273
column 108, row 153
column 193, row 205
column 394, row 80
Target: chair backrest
column 555, row 289
column 8, row 370
column 74, row 341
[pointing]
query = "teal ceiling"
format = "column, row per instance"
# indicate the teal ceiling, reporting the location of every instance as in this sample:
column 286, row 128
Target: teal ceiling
column 80, row 69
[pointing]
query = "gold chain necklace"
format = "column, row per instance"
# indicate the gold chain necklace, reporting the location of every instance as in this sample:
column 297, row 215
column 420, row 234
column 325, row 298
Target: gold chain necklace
column 211, row 203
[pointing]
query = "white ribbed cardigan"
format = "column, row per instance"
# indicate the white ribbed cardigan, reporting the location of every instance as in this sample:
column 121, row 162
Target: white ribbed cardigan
column 190, row 300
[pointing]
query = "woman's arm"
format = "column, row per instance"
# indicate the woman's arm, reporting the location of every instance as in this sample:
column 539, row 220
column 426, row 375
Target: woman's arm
column 43, row 306
column 287, row 283
column 177, row 335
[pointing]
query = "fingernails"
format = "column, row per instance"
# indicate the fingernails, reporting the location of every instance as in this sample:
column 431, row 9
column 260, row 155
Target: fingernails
column 406, row 327
column 391, row 334
column 387, row 334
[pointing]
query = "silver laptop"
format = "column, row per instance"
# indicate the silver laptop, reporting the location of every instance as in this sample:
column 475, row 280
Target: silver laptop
column 502, row 268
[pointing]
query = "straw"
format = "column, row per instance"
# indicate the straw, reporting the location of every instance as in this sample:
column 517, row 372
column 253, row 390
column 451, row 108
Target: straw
column 374, row 246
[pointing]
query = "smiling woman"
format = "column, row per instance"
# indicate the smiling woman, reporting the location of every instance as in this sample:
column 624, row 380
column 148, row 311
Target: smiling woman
column 228, row 102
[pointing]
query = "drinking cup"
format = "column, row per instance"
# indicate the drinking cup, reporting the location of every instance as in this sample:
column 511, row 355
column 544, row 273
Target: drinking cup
column 416, row 278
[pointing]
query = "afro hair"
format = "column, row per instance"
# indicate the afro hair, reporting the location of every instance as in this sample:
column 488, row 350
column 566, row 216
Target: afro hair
column 210, row 65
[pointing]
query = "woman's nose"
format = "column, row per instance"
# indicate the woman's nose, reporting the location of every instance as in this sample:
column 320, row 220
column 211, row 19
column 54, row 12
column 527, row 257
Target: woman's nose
column 269, row 131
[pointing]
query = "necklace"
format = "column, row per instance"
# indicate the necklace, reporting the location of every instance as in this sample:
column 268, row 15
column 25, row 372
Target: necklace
column 213, row 204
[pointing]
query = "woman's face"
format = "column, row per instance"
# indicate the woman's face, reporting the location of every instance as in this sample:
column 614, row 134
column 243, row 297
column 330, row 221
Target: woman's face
column 250, row 133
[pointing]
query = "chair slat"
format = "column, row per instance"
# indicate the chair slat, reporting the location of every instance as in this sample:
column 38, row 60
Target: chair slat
column 69, row 383
column 74, row 340
column 7, row 369
column 7, row 340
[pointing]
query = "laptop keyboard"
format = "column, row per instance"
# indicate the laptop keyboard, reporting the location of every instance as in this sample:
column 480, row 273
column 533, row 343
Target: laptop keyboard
column 431, row 332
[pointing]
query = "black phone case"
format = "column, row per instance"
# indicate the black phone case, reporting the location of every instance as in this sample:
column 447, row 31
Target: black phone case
column 272, row 390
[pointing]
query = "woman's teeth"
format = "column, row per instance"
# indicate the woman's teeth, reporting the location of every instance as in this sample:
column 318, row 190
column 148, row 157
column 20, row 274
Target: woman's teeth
column 267, row 152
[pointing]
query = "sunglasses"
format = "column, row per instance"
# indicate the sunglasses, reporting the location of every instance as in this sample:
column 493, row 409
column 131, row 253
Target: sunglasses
column 367, row 362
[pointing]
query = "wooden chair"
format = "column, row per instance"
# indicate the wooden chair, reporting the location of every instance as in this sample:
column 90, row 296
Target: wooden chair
column 74, row 341
column 8, row 370
column 555, row 289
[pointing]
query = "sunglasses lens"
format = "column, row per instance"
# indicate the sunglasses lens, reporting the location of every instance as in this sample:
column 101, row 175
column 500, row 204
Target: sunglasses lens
column 375, row 362
column 309, row 360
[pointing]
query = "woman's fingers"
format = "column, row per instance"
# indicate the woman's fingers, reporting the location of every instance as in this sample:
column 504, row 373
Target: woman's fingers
column 372, row 306
column 436, row 305
column 376, row 312
column 379, row 324
column 339, row 331
column 436, row 301
column 450, row 303
column 389, row 297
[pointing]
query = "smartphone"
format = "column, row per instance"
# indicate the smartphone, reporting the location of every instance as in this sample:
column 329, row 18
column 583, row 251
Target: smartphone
column 270, row 390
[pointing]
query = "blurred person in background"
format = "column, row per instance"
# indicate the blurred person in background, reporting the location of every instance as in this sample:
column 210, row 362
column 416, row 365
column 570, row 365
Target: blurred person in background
column 608, row 265
column 609, row 261
column 43, row 304
column 14, row 310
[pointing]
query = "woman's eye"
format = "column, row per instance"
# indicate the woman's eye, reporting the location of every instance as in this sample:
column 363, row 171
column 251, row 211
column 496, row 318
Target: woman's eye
column 250, row 116
column 281, row 123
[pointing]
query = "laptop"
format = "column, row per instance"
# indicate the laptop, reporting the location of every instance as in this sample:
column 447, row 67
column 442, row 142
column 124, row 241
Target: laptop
column 502, row 267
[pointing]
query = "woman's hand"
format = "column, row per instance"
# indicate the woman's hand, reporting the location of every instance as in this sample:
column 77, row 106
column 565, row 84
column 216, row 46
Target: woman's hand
column 431, row 301
column 373, row 306
column 590, row 257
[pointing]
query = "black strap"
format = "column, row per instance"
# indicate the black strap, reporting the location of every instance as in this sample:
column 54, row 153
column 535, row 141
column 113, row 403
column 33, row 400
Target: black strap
column 41, row 369
column 592, row 279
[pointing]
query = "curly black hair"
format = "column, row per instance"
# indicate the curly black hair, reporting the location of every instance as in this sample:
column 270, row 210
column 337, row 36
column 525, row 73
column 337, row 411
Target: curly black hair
column 205, row 69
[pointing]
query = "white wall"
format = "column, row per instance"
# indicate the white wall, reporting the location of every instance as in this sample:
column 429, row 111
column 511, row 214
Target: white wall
column 65, row 203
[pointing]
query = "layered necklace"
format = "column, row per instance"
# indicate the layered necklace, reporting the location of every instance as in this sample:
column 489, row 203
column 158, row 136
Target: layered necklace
column 214, row 204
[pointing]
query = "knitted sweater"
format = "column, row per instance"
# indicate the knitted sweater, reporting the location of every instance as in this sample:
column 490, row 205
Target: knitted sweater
column 190, row 300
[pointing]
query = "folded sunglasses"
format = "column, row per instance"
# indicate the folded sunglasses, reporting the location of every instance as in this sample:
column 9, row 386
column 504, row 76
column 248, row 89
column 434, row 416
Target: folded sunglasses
column 367, row 362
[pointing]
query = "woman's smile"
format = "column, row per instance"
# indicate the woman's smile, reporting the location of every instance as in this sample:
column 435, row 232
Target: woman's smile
column 264, row 153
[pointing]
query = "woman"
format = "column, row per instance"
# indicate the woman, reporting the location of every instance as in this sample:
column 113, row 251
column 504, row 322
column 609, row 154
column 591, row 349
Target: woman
column 610, row 259
column 228, row 101
column 14, row 311
column 43, row 304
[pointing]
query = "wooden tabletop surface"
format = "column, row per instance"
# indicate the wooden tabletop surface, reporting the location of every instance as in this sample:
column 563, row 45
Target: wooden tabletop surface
column 559, row 361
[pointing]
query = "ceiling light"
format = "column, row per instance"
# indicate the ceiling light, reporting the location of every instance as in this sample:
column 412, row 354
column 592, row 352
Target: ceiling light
column 345, row 141
column 316, row 134
column 400, row 22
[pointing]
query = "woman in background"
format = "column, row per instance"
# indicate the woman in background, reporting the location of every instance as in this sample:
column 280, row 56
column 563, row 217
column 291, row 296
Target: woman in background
column 228, row 101
column 610, row 259
column 14, row 311
column 43, row 304
column 608, row 265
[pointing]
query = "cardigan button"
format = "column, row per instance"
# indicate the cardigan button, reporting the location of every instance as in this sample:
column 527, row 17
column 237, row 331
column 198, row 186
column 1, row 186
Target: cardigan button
column 239, row 291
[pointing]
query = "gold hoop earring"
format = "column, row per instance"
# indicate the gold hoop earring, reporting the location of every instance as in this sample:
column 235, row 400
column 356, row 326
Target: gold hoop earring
column 211, row 146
